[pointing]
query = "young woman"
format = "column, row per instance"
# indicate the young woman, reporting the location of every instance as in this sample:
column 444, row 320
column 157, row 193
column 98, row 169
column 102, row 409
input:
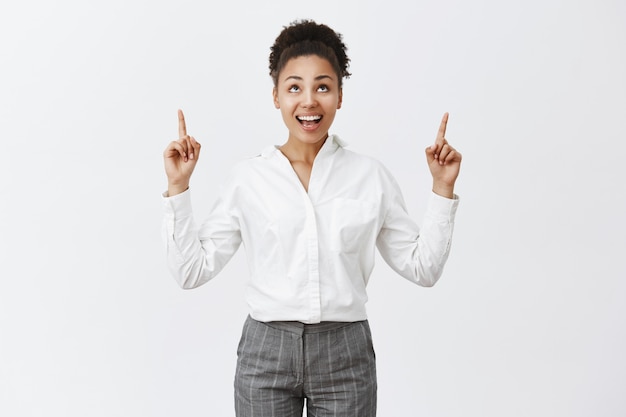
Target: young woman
column 309, row 213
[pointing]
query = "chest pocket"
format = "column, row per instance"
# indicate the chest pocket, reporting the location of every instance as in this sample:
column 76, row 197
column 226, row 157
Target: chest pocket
column 353, row 225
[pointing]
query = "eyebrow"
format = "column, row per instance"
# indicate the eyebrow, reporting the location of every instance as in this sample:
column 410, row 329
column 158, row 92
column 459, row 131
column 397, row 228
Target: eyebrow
column 298, row 78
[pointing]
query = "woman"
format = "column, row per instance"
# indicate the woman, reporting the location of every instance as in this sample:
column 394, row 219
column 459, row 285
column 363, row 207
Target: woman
column 309, row 214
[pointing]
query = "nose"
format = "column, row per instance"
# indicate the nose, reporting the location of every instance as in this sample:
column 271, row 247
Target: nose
column 309, row 100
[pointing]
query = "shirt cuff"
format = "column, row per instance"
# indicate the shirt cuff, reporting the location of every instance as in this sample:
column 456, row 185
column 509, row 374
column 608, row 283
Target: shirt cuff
column 442, row 208
column 177, row 206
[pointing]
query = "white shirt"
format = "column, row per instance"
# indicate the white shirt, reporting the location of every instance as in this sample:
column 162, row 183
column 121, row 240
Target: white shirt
column 310, row 254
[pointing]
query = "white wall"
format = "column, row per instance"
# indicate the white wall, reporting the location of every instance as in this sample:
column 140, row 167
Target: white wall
column 529, row 318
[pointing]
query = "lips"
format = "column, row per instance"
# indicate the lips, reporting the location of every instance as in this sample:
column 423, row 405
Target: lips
column 309, row 120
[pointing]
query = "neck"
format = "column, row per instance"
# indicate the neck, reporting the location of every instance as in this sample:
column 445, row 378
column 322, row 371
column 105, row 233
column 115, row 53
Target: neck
column 303, row 152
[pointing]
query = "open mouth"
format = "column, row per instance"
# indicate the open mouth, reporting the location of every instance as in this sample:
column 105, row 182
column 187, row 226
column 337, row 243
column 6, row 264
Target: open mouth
column 309, row 120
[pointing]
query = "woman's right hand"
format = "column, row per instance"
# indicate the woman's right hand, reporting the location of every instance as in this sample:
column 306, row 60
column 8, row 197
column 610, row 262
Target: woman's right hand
column 180, row 158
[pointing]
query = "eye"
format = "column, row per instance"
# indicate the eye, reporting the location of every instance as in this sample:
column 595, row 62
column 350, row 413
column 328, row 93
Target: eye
column 322, row 88
column 294, row 89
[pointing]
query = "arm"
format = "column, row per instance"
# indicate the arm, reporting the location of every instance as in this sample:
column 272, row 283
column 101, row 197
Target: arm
column 194, row 254
column 417, row 254
column 420, row 255
column 197, row 254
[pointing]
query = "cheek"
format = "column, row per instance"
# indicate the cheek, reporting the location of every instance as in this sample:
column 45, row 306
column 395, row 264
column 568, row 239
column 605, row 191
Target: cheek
column 285, row 112
column 288, row 105
column 332, row 105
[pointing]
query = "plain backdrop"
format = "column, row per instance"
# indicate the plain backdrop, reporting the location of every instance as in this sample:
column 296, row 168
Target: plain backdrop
column 529, row 318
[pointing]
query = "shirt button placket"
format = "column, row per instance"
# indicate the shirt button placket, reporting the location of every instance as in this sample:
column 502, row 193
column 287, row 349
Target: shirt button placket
column 313, row 262
column 315, row 303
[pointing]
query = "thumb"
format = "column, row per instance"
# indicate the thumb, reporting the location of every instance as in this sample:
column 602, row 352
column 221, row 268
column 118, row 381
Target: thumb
column 430, row 153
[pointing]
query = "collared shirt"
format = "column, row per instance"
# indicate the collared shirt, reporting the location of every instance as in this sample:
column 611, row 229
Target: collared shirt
column 310, row 254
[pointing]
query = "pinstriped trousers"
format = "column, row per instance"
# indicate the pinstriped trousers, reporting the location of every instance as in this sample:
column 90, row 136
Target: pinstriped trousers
column 281, row 365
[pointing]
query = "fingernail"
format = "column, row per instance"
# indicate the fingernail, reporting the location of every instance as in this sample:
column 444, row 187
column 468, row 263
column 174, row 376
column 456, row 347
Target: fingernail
column 191, row 156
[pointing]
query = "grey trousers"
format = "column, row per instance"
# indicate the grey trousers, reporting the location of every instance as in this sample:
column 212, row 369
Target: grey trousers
column 331, row 365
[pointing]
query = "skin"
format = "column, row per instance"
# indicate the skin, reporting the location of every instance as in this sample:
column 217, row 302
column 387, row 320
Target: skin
column 180, row 158
column 307, row 85
column 444, row 162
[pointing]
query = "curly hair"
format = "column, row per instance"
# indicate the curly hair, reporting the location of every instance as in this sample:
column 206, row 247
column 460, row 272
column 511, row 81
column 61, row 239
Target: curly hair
column 306, row 37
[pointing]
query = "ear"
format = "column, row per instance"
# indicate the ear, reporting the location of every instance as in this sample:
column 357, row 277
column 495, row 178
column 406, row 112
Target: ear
column 340, row 98
column 275, row 96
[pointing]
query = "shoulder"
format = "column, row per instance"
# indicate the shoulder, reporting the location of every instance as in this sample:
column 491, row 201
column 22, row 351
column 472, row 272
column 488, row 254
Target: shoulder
column 249, row 171
column 251, row 163
column 366, row 163
column 368, row 173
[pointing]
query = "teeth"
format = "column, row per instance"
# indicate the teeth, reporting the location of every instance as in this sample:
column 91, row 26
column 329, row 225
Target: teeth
column 309, row 118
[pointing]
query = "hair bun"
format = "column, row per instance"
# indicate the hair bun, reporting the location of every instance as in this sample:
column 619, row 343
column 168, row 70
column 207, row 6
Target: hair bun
column 306, row 37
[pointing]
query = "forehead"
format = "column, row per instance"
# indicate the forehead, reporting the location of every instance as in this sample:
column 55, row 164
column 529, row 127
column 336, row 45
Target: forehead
column 307, row 67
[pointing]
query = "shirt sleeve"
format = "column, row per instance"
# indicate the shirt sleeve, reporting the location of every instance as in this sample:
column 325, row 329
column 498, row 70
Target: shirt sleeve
column 418, row 255
column 197, row 254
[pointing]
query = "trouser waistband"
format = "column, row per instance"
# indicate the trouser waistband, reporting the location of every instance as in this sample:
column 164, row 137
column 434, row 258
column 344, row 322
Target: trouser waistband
column 300, row 328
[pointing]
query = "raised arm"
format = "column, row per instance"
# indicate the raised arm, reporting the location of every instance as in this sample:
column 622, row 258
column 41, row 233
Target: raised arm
column 195, row 254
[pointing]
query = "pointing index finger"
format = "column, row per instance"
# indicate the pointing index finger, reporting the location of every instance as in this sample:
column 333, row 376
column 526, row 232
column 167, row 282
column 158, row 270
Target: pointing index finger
column 442, row 127
column 182, row 127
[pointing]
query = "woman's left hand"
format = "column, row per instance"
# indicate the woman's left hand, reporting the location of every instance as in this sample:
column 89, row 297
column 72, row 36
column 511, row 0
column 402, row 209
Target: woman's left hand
column 444, row 162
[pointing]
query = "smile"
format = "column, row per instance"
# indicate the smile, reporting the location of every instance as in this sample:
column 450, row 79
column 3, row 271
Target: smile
column 307, row 120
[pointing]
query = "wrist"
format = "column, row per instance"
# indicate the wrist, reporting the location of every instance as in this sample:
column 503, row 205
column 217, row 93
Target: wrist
column 444, row 190
column 173, row 189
